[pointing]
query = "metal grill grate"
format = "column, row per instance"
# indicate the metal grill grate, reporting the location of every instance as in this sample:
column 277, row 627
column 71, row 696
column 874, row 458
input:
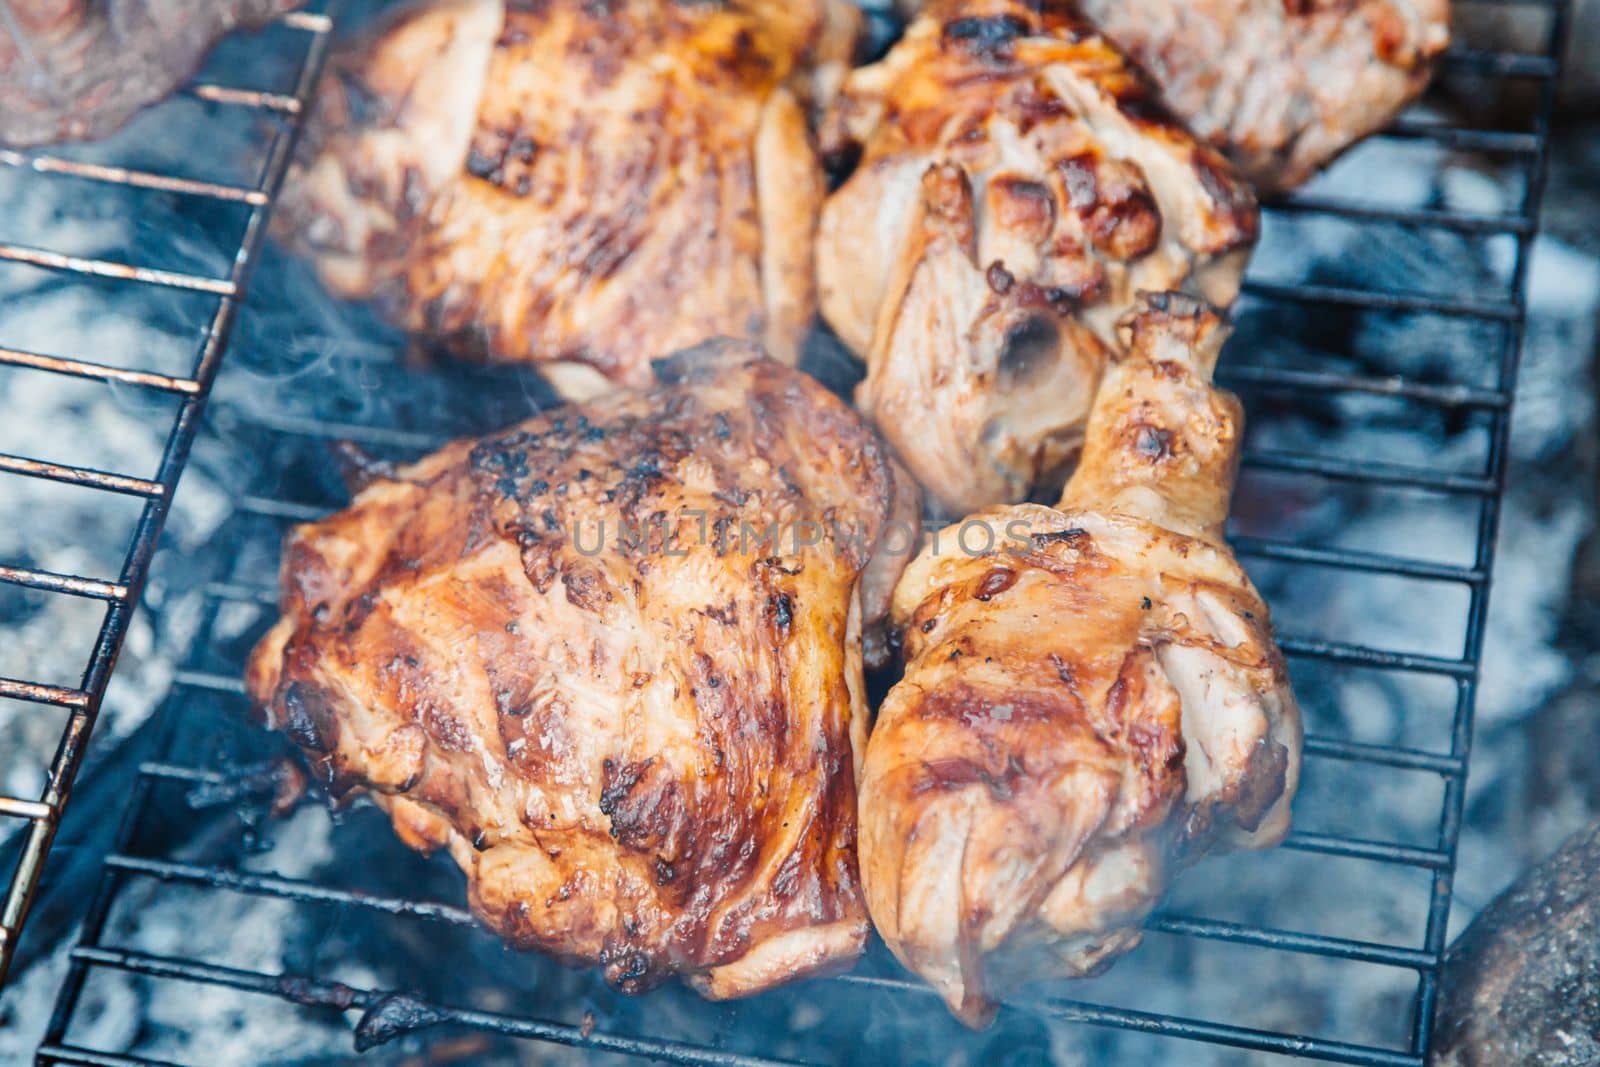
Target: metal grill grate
column 121, row 595
column 207, row 765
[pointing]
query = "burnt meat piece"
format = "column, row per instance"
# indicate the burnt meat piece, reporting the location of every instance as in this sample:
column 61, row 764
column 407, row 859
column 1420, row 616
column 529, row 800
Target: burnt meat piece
column 1092, row 696
column 73, row 70
column 1018, row 186
column 610, row 659
column 574, row 184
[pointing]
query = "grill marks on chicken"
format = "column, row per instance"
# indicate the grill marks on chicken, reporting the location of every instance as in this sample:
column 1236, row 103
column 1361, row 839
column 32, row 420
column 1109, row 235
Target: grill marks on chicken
column 575, row 184
column 1281, row 87
column 1087, row 706
column 1017, row 186
column 72, row 70
column 568, row 654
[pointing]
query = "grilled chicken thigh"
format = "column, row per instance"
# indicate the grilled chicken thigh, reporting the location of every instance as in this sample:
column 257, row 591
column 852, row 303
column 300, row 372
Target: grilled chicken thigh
column 1092, row 696
column 611, row 660
column 576, row 184
column 1281, row 87
column 1017, row 186
column 72, row 70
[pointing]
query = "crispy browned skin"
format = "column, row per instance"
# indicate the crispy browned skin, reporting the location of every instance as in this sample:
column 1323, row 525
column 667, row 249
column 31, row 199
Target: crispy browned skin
column 636, row 745
column 72, row 70
column 576, row 184
column 1087, row 705
column 1017, row 186
column 1281, row 86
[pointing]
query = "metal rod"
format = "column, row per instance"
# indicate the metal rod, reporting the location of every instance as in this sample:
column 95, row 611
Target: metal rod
column 36, row 693
column 1408, row 759
column 69, row 584
column 25, row 809
column 123, row 272
column 1376, row 851
column 1381, row 659
column 1448, row 396
column 1460, row 221
column 388, row 436
column 216, row 683
column 243, row 594
column 79, row 368
column 1373, row 300
column 280, row 509
column 138, row 179
column 1374, row 472
column 1224, row 1034
column 88, row 476
column 272, row 885
column 1168, row 1026
column 178, row 773
column 1290, row 941
column 1502, row 142
column 74, row 1054
column 1500, row 64
column 1354, row 560
column 308, row 21
column 251, row 98
column 337, row 995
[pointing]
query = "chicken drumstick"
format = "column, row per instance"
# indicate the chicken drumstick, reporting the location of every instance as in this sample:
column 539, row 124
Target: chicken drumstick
column 1092, row 696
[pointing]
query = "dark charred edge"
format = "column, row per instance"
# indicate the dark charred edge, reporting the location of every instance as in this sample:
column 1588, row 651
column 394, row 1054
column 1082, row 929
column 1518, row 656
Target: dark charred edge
column 307, row 719
column 703, row 360
column 1178, row 304
column 1074, row 536
column 991, row 38
column 358, row 468
column 1174, row 309
column 1234, row 199
column 394, row 1016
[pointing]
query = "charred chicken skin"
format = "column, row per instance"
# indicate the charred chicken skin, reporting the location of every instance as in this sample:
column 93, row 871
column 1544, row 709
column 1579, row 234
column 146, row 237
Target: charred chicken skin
column 1281, row 87
column 610, row 660
column 72, row 70
column 1017, row 186
column 575, row 184
column 1087, row 705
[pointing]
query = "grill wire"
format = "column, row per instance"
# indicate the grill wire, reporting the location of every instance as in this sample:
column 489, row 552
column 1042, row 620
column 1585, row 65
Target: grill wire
column 185, row 781
column 121, row 595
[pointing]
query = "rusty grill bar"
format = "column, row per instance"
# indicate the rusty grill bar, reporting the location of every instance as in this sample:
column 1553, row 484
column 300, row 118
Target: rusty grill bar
column 206, row 692
column 121, row 594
